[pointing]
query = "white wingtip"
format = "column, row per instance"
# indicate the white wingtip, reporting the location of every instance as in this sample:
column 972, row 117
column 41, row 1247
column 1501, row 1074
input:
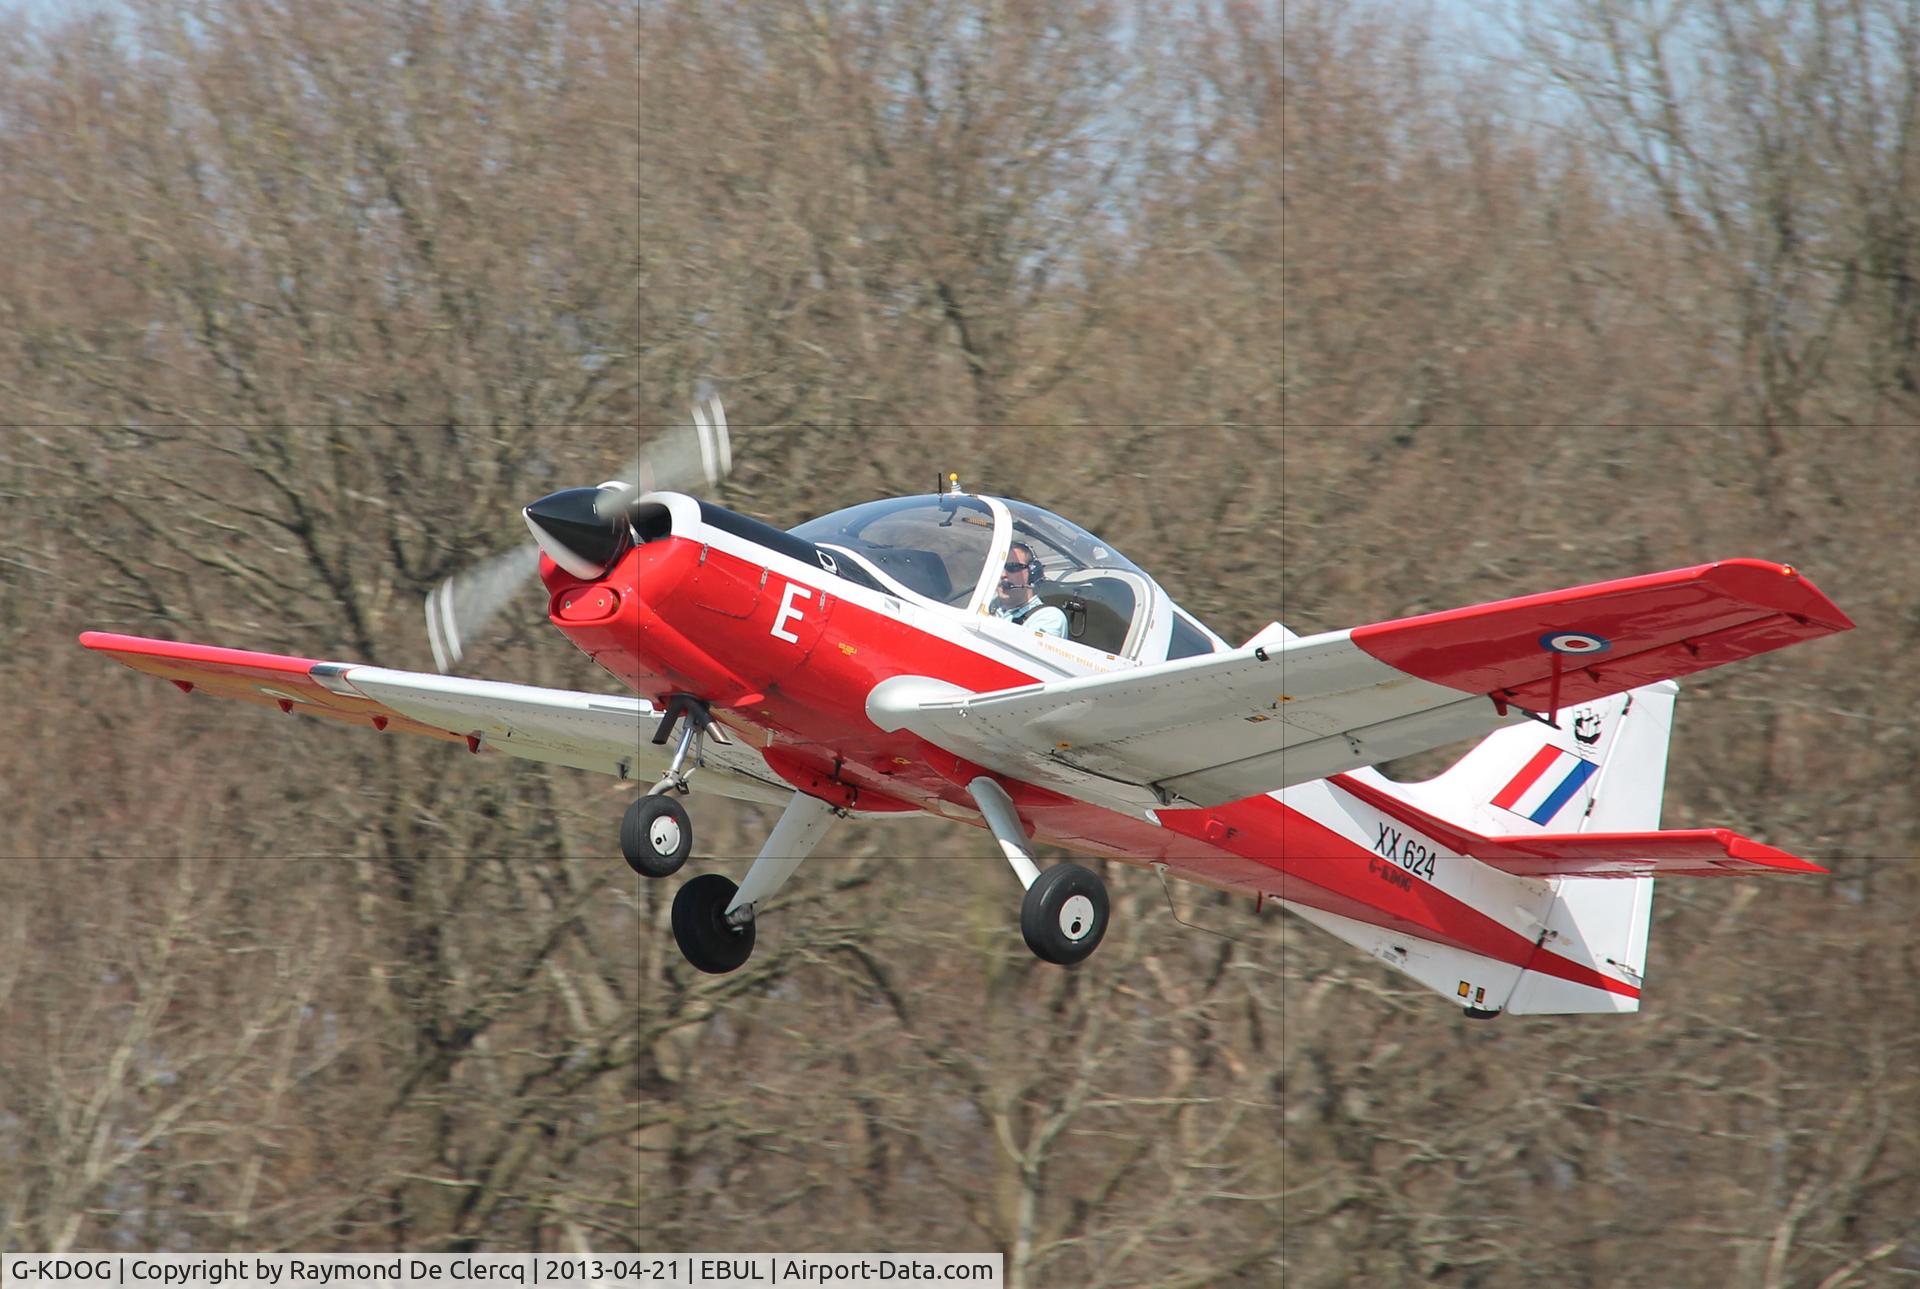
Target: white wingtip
column 465, row 603
column 716, row 447
column 442, row 633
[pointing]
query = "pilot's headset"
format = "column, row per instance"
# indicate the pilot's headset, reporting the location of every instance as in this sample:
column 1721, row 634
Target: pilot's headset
column 1035, row 574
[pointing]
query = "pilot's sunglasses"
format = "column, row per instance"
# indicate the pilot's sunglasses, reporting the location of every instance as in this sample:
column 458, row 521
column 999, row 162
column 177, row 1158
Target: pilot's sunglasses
column 1014, row 566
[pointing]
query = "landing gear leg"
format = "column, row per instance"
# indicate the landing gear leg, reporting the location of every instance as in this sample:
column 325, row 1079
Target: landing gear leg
column 657, row 835
column 713, row 920
column 1064, row 915
column 693, row 736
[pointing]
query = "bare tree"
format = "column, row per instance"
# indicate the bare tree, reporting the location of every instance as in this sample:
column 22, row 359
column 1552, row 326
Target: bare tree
column 301, row 300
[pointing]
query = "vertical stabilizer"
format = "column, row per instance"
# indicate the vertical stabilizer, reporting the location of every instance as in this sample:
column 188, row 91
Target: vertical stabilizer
column 1603, row 770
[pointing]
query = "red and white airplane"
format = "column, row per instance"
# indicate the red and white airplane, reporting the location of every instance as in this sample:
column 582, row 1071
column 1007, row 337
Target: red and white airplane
column 983, row 660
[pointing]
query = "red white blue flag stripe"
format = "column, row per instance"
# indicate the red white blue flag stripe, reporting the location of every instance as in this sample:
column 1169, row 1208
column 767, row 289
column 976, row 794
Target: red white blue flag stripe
column 1545, row 784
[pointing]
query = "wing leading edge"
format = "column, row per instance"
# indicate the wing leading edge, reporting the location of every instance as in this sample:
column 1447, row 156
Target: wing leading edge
column 605, row 733
column 1204, row 731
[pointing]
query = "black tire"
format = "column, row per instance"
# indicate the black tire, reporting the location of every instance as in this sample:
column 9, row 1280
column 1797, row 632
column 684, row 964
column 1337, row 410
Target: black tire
column 656, row 835
column 1064, row 916
column 700, row 926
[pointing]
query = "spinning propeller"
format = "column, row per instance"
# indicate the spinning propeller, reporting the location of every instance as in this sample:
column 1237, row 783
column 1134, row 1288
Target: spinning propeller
column 583, row 530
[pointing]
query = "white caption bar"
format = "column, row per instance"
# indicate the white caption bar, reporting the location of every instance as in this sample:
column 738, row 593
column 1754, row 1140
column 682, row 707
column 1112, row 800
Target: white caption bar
column 460, row 1271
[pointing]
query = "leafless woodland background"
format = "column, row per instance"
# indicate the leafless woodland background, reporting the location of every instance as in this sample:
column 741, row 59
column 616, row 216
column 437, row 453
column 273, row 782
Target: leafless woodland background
column 1316, row 314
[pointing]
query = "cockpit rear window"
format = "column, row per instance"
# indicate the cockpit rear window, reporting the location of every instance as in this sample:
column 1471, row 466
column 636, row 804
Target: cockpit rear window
column 1189, row 641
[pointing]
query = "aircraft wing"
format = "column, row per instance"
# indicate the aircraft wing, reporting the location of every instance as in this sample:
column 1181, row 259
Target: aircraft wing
column 1203, row 731
column 606, row 733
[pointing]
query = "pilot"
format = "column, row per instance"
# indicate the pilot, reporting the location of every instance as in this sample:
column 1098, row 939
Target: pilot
column 1017, row 603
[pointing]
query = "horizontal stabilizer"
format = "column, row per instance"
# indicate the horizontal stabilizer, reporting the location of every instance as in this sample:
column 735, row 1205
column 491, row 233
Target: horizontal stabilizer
column 1699, row 852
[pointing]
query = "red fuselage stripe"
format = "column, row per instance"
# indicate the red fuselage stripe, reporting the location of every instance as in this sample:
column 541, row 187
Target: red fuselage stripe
column 1325, row 869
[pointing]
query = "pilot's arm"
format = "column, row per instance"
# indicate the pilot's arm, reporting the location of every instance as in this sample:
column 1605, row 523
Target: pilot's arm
column 1047, row 618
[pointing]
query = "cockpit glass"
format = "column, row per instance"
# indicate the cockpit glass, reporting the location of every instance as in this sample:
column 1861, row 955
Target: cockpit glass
column 1106, row 600
column 1063, row 547
column 936, row 546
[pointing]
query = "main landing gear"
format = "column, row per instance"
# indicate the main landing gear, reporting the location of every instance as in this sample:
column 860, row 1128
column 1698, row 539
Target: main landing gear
column 709, row 940
column 713, row 919
column 1063, row 916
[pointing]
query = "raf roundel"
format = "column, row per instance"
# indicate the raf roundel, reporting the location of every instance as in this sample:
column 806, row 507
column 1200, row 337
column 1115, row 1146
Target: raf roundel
column 1576, row 642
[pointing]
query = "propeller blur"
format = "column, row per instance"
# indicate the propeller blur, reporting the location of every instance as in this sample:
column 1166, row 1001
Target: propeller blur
column 583, row 530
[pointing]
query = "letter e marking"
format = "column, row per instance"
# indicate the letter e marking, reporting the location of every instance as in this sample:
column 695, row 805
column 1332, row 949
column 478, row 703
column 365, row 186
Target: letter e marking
column 788, row 613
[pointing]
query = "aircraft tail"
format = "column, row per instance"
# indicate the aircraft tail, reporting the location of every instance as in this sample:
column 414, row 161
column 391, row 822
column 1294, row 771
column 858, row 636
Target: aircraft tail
column 1604, row 770
column 1579, row 807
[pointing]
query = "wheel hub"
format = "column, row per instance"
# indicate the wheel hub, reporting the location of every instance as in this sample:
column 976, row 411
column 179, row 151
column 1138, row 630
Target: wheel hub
column 1076, row 917
column 665, row 835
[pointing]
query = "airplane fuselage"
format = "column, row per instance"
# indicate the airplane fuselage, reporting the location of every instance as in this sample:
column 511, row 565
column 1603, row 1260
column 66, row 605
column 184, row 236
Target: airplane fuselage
column 786, row 640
